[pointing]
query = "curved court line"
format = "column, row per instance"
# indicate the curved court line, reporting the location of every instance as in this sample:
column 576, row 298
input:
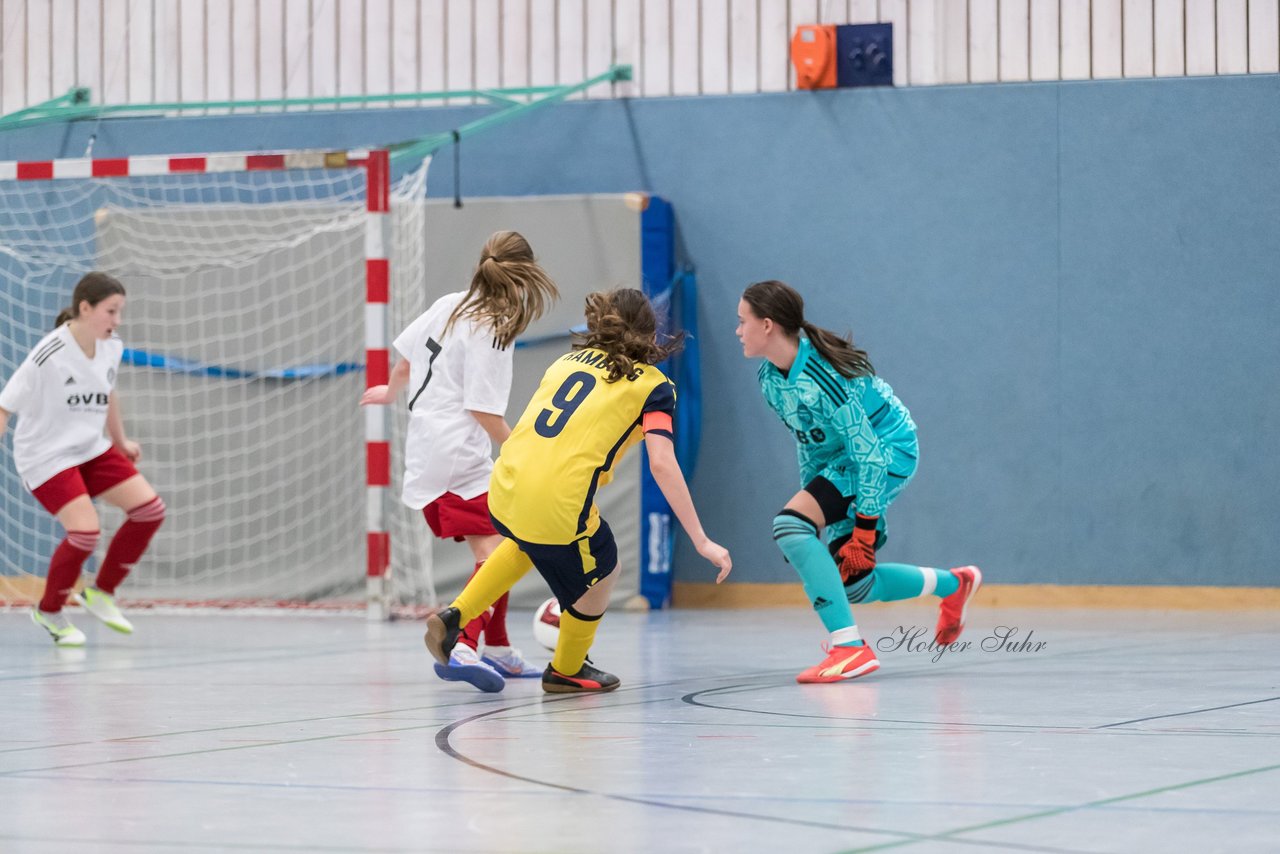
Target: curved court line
column 17, row 772
column 949, row 835
column 443, row 743
column 693, row 700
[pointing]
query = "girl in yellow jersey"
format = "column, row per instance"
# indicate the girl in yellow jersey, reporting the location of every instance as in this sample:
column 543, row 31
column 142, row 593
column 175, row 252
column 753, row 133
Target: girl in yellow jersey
column 592, row 405
column 456, row 362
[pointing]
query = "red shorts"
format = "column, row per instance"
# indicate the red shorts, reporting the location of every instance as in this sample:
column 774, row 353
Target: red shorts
column 451, row 516
column 92, row 478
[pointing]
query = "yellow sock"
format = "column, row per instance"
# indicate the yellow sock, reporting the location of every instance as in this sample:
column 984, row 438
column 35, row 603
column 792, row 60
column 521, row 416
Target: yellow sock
column 500, row 572
column 576, row 635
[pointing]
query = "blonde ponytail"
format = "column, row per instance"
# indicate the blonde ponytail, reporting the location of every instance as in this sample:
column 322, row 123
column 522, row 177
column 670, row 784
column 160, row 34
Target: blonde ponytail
column 508, row 290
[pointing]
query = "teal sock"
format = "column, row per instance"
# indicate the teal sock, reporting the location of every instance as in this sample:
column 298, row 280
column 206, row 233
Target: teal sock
column 798, row 539
column 890, row 582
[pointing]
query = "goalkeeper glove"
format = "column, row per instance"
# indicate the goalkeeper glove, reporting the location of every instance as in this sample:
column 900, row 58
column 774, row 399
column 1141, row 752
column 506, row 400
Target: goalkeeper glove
column 858, row 556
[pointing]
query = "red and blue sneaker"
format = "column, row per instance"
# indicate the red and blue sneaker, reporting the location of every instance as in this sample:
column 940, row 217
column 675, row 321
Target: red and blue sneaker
column 465, row 666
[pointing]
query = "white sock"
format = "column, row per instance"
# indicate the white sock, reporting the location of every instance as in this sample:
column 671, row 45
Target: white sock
column 846, row 637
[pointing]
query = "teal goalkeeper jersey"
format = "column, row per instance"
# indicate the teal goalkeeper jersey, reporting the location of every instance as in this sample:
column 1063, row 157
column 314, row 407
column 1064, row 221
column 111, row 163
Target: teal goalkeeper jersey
column 852, row 427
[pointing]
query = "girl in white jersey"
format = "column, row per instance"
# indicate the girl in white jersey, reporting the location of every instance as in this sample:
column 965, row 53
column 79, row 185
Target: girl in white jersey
column 456, row 362
column 63, row 395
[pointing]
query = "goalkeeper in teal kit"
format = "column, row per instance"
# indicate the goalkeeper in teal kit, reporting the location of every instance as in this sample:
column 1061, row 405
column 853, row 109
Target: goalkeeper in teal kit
column 857, row 449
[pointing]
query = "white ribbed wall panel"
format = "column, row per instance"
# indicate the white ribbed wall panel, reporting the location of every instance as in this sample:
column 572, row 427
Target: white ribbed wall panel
column 144, row 51
column 1044, row 34
column 1264, row 35
column 1139, row 37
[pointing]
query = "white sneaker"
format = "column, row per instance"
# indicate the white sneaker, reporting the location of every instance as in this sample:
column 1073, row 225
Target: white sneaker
column 64, row 634
column 508, row 661
column 103, row 606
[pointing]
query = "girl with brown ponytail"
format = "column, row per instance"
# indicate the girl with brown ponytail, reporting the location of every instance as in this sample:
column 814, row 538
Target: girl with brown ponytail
column 457, row 363
column 857, row 449
column 592, row 405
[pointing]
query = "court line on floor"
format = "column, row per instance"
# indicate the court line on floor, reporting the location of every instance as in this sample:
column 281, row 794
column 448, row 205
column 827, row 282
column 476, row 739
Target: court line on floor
column 459, row 756
column 301, row 652
column 475, row 701
column 233, row 846
column 693, row 699
column 460, row 790
column 348, row 735
column 904, row 725
column 282, row 742
column 445, row 746
column 949, row 835
column 1192, row 712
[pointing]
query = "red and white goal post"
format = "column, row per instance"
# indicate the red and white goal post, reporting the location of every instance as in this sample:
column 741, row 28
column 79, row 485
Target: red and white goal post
column 262, row 288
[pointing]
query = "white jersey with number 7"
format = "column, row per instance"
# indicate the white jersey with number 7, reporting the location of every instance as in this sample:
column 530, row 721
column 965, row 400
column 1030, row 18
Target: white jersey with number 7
column 446, row 449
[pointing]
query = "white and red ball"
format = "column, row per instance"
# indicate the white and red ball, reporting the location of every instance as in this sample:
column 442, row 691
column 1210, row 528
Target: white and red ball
column 546, row 624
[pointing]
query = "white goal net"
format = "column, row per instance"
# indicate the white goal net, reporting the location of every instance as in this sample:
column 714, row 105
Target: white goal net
column 245, row 341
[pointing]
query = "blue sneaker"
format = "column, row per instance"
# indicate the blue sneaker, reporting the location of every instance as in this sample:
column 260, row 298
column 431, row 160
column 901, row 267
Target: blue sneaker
column 508, row 661
column 465, row 666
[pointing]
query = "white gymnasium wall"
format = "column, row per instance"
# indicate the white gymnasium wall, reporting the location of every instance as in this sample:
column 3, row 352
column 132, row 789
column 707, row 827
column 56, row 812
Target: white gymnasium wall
column 145, row 51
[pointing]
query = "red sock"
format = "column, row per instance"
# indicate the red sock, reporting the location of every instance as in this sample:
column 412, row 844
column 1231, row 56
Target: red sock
column 472, row 630
column 129, row 543
column 64, row 568
column 495, row 633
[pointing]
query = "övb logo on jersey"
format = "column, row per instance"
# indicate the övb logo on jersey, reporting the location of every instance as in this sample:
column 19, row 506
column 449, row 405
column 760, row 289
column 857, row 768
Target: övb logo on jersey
column 88, row 399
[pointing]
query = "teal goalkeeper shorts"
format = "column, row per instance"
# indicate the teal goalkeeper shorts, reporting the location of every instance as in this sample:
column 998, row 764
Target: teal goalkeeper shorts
column 846, row 480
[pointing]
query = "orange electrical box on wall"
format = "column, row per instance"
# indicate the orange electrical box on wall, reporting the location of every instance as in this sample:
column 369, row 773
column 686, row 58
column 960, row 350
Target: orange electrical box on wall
column 813, row 52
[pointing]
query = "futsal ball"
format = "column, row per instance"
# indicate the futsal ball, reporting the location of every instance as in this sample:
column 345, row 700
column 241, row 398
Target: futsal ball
column 546, row 624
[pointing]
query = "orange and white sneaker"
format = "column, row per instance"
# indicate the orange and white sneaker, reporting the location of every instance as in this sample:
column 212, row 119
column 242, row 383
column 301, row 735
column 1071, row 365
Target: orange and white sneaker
column 842, row 662
column 955, row 608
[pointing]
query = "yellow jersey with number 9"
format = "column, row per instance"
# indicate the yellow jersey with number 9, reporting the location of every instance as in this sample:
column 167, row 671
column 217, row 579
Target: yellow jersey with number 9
column 565, row 445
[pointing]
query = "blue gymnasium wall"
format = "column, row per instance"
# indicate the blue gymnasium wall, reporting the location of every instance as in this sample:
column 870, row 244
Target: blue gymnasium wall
column 1074, row 287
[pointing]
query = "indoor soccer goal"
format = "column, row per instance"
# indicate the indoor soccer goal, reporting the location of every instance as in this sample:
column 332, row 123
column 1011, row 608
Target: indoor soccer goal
column 262, row 290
